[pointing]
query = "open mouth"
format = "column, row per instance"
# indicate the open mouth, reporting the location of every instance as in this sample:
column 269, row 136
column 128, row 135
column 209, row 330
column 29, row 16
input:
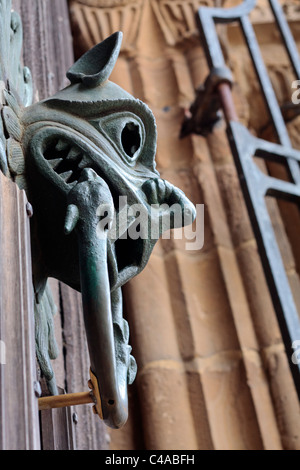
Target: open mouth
column 68, row 160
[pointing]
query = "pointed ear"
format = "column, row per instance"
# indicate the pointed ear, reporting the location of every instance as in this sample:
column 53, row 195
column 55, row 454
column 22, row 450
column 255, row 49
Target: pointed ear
column 96, row 65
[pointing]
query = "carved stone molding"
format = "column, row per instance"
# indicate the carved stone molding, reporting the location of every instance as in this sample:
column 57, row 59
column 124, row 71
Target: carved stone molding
column 177, row 18
column 263, row 14
column 94, row 20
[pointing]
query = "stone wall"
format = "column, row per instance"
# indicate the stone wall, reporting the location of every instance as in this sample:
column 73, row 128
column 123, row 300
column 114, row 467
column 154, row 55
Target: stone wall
column 212, row 370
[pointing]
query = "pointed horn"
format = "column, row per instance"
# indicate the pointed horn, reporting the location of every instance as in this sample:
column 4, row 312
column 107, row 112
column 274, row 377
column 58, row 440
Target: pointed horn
column 96, row 65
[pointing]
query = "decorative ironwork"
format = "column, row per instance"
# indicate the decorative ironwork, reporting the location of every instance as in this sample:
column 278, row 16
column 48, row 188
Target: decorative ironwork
column 255, row 184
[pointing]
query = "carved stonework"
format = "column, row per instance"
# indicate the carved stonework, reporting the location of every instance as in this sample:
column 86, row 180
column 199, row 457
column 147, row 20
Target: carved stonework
column 177, row 18
column 262, row 13
column 95, row 20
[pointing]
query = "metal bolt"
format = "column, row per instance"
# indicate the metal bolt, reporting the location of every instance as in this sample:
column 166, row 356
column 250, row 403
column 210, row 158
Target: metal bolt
column 29, row 209
column 75, row 418
column 37, row 389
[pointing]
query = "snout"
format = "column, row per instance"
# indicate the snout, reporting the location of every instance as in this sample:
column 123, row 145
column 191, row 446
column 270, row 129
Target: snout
column 169, row 201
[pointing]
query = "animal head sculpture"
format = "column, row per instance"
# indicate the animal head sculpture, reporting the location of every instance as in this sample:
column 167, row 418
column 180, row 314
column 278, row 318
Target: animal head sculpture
column 81, row 153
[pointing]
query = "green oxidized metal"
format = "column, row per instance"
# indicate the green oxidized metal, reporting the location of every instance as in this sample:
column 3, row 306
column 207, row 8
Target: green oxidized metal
column 84, row 148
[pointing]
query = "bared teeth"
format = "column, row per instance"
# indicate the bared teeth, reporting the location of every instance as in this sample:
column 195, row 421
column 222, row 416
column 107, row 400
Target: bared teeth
column 156, row 190
column 71, row 160
column 61, row 145
column 55, row 162
column 66, row 175
column 73, row 153
column 82, row 164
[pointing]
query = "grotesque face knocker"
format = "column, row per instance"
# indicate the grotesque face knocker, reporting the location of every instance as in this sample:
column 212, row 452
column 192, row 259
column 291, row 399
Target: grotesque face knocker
column 88, row 155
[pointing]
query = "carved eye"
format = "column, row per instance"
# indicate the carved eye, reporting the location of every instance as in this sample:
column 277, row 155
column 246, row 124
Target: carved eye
column 130, row 138
column 126, row 132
